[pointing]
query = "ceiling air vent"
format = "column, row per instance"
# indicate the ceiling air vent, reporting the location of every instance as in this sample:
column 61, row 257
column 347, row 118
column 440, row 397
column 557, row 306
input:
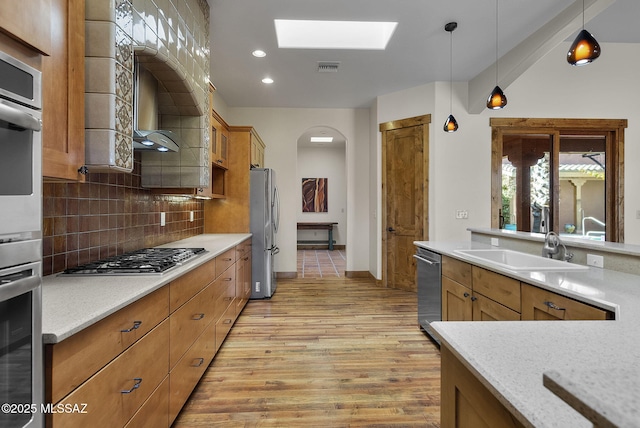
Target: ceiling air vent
column 328, row 66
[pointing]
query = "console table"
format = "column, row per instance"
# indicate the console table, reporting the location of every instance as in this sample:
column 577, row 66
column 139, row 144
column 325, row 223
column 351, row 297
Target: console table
column 328, row 226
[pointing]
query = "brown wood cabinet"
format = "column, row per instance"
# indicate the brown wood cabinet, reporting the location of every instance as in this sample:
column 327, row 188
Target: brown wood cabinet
column 138, row 366
column 257, row 151
column 472, row 293
column 63, row 85
column 540, row 304
column 116, row 392
column 466, row 402
column 28, row 22
column 231, row 215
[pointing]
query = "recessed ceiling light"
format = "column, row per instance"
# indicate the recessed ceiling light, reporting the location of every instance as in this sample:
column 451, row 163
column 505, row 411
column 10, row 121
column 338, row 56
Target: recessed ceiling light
column 310, row 34
column 321, row 139
column 258, row 53
column 267, row 80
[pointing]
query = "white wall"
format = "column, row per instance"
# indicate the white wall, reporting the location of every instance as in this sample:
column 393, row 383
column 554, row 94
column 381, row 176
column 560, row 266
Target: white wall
column 329, row 163
column 280, row 129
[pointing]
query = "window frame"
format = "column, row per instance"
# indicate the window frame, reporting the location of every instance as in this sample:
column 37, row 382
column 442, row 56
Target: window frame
column 613, row 129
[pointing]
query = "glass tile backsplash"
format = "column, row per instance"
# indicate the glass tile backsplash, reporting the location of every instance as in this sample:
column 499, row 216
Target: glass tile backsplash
column 110, row 214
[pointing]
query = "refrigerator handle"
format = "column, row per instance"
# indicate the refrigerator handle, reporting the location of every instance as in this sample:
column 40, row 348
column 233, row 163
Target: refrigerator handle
column 276, row 214
column 275, row 250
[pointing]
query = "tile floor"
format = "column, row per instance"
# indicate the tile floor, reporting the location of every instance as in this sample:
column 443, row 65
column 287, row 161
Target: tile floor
column 321, row 263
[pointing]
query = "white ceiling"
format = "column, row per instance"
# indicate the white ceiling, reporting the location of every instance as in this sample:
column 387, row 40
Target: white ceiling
column 418, row 52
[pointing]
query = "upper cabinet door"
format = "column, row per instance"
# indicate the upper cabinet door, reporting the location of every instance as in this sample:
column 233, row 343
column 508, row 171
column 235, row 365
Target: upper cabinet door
column 63, row 93
column 28, row 22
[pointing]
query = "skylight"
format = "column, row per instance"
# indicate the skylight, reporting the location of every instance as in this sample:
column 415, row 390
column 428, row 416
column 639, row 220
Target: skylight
column 310, row 34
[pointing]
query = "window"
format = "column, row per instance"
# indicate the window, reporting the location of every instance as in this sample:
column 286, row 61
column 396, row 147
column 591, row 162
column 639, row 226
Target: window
column 562, row 175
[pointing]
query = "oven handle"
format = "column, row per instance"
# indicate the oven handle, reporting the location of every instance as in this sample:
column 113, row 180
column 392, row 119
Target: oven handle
column 19, row 118
column 18, row 287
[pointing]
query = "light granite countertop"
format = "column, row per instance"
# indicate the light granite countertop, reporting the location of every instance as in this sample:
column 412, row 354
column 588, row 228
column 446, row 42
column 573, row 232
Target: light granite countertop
column 73, row 303
column 510, row 358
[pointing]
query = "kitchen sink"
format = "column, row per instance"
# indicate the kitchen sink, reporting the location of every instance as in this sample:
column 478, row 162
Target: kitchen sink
column 515, row 260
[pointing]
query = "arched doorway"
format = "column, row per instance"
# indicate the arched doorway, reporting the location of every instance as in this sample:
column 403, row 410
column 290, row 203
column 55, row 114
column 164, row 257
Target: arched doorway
column 322, row 213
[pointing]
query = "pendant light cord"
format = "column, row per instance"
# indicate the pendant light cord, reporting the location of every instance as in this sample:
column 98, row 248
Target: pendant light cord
column 497, row 42
column 451, row 72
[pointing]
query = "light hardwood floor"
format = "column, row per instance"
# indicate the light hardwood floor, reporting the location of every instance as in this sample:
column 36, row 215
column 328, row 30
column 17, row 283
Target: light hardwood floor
column 322, row 353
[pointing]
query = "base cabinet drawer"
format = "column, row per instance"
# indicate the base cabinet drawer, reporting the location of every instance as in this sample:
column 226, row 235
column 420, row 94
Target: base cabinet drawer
column 188, row 322
column 223, row 325
column 78, row 357
column 188, row 371
column 115, row 393
column 154, row 413
column 540, row 304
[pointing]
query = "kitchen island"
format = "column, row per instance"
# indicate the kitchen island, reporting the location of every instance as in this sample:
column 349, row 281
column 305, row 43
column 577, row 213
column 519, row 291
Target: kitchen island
column 510, row 358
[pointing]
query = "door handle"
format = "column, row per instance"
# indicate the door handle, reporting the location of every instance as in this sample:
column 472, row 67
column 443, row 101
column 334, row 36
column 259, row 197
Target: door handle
column 390, row 229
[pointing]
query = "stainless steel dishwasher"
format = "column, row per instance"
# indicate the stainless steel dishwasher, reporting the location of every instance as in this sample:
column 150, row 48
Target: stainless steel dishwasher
column 429, row 269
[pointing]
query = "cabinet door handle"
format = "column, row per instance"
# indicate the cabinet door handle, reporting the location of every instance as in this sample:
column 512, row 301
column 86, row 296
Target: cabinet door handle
column 227, row 260
column 466, row 294
column 198, row 362
column 227, row 279
column 136, row 384
column 197, row 317
column 228, row 299
column 227, row 321
column 135, row 326
column 474, row 298
column 554, row 306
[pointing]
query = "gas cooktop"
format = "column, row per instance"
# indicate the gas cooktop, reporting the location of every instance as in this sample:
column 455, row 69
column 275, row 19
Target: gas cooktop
column 150, row 261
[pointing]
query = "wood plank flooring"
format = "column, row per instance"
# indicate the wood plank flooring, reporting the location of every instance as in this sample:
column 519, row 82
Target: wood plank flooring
column 322, row 353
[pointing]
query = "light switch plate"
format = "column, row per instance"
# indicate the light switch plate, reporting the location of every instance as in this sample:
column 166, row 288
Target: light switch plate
column 163, row 218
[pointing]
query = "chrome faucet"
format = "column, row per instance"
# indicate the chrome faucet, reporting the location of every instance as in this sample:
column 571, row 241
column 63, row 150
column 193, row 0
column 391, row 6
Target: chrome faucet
column 552, row 245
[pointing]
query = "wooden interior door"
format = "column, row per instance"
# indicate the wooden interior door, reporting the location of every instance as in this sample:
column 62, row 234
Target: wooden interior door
column 405, row 184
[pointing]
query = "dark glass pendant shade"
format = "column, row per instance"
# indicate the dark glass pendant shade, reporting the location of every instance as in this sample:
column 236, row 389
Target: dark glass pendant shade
column 497, row 99
column 451, row 124
column 584, row 50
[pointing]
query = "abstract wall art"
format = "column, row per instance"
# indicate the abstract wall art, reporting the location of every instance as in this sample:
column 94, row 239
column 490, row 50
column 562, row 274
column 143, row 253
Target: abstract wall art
column 314, row 195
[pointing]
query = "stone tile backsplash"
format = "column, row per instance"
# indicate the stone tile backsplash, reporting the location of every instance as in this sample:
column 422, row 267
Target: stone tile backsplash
column 110, row 214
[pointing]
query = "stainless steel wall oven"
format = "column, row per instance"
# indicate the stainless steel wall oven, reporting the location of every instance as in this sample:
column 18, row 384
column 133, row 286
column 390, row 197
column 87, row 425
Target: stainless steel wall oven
column 21, row 363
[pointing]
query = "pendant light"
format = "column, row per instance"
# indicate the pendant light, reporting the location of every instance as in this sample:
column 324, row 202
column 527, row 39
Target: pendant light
column 451, row 125
column 497, row 99
column 585, row 48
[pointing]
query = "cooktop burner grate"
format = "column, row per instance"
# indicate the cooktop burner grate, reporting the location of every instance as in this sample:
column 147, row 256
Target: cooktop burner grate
column 144, row 261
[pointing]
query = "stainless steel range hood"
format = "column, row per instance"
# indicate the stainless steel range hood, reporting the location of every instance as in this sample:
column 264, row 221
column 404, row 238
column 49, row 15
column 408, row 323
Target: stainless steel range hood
column 146, row 135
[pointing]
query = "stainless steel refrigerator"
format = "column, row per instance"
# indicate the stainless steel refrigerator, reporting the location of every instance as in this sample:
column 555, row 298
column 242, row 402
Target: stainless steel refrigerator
column 265, row 216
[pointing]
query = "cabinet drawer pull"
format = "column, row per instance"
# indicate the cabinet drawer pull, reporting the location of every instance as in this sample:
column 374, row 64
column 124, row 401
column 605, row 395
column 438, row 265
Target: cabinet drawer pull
column 227, row 259
column 227, row 279
column 554, row 306
column 227, row 321
column 135, row 326
column 197, row 317
column 466, row 294
column 198, row 362
column 228, row 299
column 136, row 384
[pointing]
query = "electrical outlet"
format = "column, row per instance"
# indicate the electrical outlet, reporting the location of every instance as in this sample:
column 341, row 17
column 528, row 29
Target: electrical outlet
column 191, row 216
column 595, row 261
column 495, row 242
column 462, row 214
column 257, row 286
column 163, row 219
